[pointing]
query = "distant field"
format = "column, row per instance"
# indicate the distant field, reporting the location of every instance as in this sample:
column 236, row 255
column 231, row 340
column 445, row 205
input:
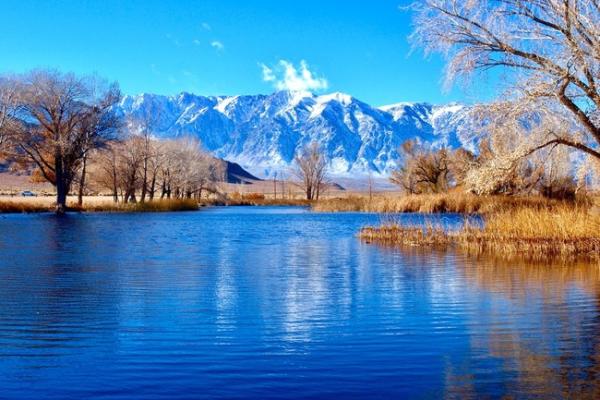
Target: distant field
column 48, row 201
column 13, row 184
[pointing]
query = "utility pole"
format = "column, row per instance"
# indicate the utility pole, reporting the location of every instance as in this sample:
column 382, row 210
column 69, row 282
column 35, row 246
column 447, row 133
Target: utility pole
column 275, row 185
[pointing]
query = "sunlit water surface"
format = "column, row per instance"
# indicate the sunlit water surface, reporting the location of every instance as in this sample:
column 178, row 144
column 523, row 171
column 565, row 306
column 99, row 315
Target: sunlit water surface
column 279, row 303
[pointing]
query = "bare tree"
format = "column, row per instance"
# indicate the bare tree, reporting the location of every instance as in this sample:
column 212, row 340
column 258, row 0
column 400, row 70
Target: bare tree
column 154, row 163
column 422, row 170
column 311, row 170
column 142, row 126
column 130, row 160
column 180, row 167
column 61, row 118
column 550, row 50
column 8, row 109
column 105, row 169
column 191, row 169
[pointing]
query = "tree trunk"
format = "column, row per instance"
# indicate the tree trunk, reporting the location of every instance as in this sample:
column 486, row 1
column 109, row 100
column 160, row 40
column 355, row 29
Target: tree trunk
column 82, row 182
column 308, row 193
column 145, row 182
column 152, row 188
column 61, row 185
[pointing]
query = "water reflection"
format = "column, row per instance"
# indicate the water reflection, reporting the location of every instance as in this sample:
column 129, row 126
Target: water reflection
column 550, row 341
column 538, row 324
column 234, row 303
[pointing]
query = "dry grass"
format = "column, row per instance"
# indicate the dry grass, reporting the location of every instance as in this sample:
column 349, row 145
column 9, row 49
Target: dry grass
column 262, row 202
column 18, row 204
column 258, row 199
column 453, row 202
column 8, row 207
column 148, row 206
column 92, row 204
column 568, row 232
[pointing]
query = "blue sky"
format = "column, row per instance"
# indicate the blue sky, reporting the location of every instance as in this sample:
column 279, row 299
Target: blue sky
column 226, row 47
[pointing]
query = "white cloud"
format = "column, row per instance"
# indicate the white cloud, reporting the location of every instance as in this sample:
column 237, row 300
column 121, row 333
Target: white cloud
column 219, row 46
column 285, row 76
column 206, row 26
column 268, row 75
column 196, row 42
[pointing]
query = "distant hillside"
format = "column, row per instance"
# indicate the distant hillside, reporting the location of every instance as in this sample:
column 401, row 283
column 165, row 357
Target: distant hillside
column 234, row 173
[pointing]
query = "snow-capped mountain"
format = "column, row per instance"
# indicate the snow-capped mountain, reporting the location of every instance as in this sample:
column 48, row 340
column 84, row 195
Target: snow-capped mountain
column 263, row 133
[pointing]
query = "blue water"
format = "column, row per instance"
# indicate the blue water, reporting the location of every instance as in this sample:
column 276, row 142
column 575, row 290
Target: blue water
column 280, row 303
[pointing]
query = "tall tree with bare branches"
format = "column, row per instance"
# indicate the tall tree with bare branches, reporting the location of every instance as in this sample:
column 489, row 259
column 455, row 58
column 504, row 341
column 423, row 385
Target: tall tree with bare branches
column 61, row 118
column 311, row 170
column 549, row 51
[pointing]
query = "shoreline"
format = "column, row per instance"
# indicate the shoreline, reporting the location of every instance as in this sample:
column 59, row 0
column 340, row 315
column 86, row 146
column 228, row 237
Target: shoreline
column 527, row 228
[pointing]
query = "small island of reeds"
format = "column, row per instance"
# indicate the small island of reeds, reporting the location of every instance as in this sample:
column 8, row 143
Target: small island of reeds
column 562, row 231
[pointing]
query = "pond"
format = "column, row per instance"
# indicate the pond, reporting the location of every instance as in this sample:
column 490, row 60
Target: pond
column 277, row 302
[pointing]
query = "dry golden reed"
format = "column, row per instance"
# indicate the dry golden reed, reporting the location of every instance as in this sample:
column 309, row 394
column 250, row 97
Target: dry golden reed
column 36, row 205
column 8, row 207
column 453, row 202
column 148, row 206
column 560, row 231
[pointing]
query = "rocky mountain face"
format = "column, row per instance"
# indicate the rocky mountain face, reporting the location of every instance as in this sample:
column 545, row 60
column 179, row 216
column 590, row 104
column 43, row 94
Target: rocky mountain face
column 263, row 133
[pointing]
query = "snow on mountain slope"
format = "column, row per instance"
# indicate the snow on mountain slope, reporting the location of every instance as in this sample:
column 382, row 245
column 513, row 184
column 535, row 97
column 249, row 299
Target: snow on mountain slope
column 263, row 133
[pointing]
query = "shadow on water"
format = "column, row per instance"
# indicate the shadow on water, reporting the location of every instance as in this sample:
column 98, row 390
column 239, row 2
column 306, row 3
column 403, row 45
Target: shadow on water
column 234, row 303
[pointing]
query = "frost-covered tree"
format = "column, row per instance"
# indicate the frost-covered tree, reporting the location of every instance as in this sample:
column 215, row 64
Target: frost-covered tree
column 548, row 50
column 504, row 166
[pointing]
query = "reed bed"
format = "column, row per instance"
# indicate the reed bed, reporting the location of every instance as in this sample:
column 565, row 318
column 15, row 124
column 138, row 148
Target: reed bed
column 148, row 206
column 561, row 231
column 453, row 202
column 260, row 202
column 14, row 207
column 47, row 204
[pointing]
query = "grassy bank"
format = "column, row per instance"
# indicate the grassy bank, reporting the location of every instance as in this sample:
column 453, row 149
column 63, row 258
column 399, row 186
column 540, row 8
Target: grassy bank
column 567, row 232
column 102, row 204
column 14, row 207
column 46, row 204
column 148, row 206
column 455, row 202
column 257, row 199
column 262, row 202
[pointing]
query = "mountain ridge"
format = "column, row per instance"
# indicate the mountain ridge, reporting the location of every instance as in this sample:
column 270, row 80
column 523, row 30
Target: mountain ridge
column 263, row 133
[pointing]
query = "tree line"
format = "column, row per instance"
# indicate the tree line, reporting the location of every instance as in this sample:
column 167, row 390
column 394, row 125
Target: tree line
column 548, row 172
column 66, row 129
